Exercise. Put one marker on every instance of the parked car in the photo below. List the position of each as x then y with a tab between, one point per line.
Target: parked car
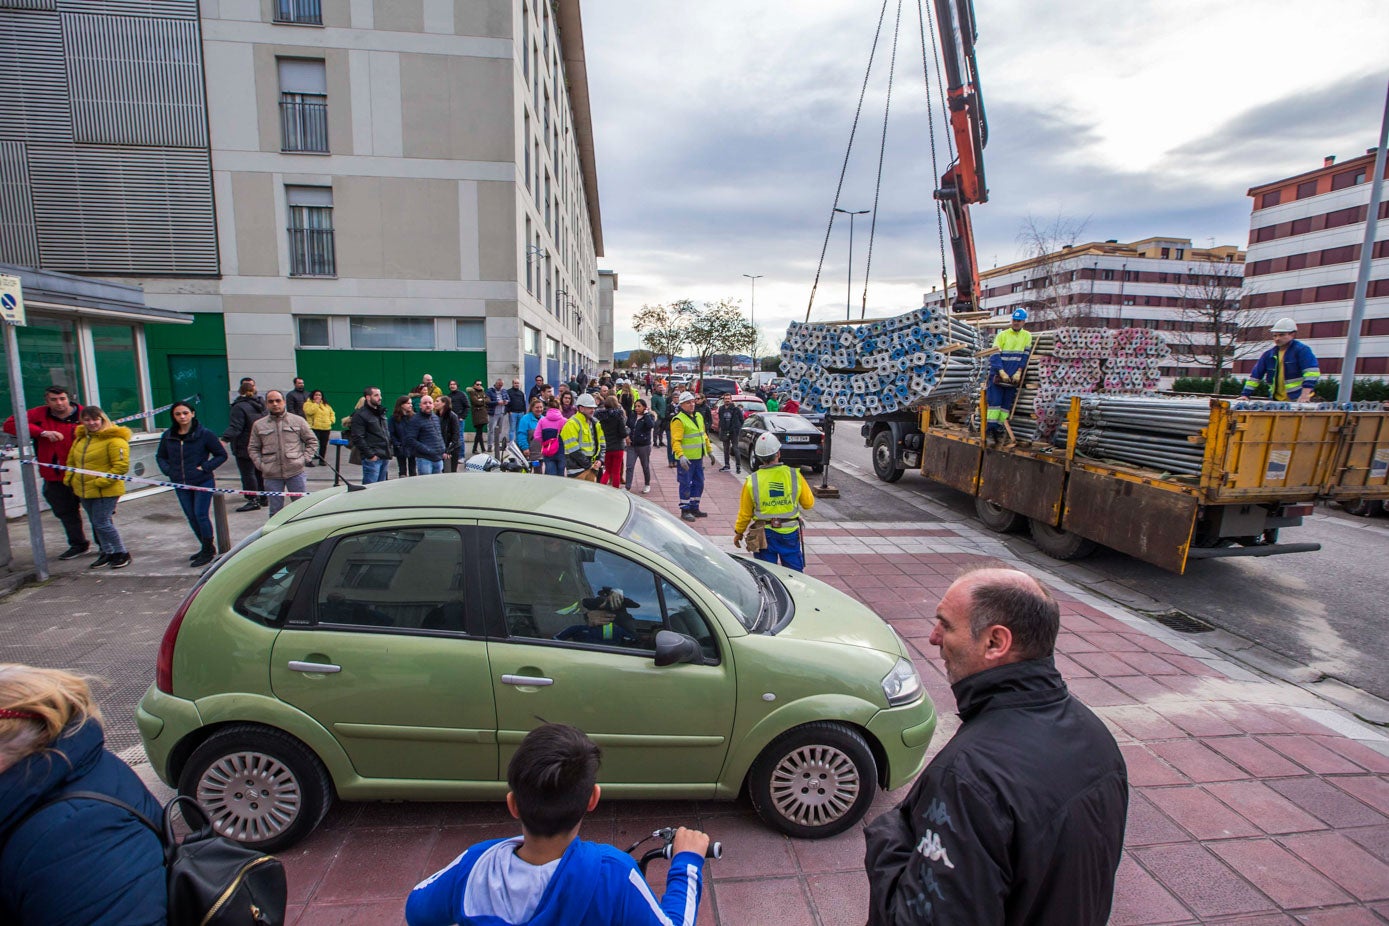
750	404
716	386
800	439
399	641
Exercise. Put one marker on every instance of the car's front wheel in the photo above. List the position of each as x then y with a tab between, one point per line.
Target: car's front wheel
258	785
814	781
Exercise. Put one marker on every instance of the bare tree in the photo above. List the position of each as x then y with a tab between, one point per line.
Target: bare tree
665	329
1049	293
720	328
1215	315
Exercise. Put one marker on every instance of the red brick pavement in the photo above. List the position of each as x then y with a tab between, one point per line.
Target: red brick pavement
1244	808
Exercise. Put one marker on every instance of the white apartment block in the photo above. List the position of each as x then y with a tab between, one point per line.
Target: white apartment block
1306	234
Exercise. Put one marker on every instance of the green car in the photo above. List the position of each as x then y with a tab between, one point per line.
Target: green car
399	641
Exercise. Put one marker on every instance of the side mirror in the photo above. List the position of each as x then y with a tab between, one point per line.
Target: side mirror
672	648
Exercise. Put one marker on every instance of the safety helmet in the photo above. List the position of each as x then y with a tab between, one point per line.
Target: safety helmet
766	446
1020	315
685	397
586	401
1284	326
481	463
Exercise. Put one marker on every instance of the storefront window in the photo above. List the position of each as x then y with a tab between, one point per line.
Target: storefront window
116	372
47	356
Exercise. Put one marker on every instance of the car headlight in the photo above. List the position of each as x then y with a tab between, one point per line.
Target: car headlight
902	685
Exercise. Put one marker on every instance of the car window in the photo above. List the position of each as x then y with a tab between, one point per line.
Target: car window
267	599
406	579
683	617
754	422
558	589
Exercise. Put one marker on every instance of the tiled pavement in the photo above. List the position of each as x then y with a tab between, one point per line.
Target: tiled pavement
1252	802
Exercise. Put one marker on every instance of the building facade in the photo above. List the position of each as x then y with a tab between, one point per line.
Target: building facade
1161	283
1306	234
354	192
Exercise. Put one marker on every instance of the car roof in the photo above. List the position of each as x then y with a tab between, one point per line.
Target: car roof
482	494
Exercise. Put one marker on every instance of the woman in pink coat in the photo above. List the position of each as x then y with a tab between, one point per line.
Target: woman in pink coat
546	436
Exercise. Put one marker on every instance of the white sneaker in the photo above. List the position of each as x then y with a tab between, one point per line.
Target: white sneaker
646	490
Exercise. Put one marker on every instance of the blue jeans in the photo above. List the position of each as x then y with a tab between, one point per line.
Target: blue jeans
691	483
424	467
377	470
195	507
783	547
100	511
292	484
552	466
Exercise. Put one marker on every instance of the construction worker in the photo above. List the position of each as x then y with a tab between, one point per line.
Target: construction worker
1289	367
689	442
1006	367
583	455
773	498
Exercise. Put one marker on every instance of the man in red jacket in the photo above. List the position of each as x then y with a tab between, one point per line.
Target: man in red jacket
50	429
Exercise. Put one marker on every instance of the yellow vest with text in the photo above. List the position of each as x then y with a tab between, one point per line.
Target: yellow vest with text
775	495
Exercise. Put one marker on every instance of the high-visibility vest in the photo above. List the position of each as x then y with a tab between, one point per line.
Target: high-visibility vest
776	493
579	436
692	438
1009	340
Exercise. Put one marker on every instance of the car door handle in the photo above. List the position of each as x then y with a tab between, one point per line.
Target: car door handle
533	680
324	668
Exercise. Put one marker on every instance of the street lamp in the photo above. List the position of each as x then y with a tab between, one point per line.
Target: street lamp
849	301
753	313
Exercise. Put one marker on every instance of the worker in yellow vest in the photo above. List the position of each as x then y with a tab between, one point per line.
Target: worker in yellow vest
689	442
579	437
769	512
1006	367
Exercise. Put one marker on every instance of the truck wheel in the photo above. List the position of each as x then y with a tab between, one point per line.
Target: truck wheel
1361	507
998	518
814	781
1060	544
885	458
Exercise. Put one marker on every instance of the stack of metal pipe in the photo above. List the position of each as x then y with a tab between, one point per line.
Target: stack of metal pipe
1149	431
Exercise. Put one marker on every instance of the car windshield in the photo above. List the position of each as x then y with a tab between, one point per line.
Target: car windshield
785	422
659	532
751	405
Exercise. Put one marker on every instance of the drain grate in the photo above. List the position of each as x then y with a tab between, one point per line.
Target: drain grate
1181	622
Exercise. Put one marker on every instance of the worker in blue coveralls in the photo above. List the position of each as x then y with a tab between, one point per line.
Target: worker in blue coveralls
769	510
1006	367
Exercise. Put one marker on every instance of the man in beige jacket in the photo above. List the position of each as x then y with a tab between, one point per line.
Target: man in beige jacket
281	446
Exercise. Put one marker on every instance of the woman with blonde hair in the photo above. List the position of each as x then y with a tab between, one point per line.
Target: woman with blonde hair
75	861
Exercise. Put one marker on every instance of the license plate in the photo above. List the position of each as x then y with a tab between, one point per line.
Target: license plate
797	439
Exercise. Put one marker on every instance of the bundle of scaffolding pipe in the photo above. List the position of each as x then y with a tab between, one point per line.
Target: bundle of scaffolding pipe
881	366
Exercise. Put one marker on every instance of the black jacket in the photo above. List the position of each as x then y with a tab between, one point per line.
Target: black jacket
370	434
614	425
641	428
1018	820
460	403
190	458
730	420
449	428
516	400
245	411
294	401
710	416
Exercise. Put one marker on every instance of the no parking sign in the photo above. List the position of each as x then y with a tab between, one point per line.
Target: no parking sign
11	300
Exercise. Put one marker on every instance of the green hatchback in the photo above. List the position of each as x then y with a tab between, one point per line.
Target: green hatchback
399	641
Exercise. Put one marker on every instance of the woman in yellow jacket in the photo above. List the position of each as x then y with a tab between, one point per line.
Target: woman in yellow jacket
101	447
319	414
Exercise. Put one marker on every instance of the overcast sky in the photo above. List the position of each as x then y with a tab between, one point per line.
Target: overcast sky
721	127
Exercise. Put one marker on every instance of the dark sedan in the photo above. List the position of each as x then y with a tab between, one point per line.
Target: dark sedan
800	439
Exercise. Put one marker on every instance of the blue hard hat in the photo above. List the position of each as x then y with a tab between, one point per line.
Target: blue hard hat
1020	315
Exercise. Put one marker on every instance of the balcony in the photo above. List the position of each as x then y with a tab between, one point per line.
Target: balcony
311	252
299	12
303	122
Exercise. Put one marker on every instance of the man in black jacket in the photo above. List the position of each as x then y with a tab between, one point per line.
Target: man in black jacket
245	412
730	423
296	397
1020	818
515	407
370	436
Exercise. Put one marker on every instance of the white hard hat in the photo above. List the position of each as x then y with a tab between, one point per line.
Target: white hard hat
685	397
766	446
586	401
1284	326
481	463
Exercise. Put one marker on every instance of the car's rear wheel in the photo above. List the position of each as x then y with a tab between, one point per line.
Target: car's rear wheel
814	781
258	785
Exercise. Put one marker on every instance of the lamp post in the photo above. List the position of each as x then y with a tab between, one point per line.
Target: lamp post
849	300
753	314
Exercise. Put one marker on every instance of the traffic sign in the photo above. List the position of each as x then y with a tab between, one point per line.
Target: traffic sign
11	300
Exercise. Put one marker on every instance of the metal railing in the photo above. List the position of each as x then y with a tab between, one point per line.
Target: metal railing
303	122
306	12
311	252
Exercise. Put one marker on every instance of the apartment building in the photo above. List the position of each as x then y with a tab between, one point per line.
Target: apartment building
354	192
1164	283
1306	234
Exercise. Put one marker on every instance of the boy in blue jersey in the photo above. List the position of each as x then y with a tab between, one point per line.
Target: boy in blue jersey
547	876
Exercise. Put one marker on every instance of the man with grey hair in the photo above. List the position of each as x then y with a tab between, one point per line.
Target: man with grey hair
1020	817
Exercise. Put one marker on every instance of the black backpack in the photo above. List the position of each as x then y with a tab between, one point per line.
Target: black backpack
213	881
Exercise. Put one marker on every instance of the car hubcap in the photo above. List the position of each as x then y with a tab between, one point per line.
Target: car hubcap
814	785
250	796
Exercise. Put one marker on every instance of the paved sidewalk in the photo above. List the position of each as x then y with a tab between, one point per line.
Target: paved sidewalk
1252	802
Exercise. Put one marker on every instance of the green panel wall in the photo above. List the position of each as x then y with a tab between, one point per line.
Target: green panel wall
343	374
206	337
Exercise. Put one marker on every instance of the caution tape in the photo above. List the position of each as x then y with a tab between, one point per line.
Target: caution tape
160	482
193	399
